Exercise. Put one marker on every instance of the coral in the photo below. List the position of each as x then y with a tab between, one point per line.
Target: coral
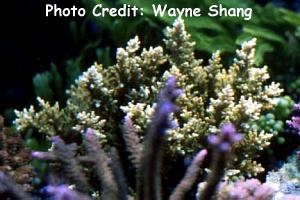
148	161
190	177
213	95
63	192
109	186
295	121
240	190
10	190
132	141
93	158
71	168
70	184
15	157
286	180
148	172
273	121
269	123
284	107
222	148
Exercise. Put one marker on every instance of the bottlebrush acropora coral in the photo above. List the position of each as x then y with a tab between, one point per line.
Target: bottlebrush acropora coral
213	95
148	163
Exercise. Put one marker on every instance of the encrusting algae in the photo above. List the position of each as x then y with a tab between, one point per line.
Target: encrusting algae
213	95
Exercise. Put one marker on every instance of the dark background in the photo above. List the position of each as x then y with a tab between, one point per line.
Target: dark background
29	42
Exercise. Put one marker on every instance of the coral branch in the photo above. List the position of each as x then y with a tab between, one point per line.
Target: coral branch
66	155
41	155
63	192
149	175
118	173
190	177
222	148
108	183
9	190
132	141
51	157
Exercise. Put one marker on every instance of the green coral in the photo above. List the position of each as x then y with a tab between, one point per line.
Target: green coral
273	121
212	96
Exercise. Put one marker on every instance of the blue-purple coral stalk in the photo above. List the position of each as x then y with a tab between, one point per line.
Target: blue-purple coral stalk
165	106
149	176
222	144
109	186
71	167
190	177
227	137
63	192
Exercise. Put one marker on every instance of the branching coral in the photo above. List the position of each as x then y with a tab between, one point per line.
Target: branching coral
249	189
103	169
77	162
148	162
132	141
9	190
213	96
190	177
15	157
71	168
63	192
148	172
222	151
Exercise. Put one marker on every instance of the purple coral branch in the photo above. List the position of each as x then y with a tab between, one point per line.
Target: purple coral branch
118	173
66	155
222	148
148	177
63	192
51	157
148	184
132	141
109	186
165	106
295	121
190	177
41	155
10	190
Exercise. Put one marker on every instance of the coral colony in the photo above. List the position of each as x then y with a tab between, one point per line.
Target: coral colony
212	95
161	103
